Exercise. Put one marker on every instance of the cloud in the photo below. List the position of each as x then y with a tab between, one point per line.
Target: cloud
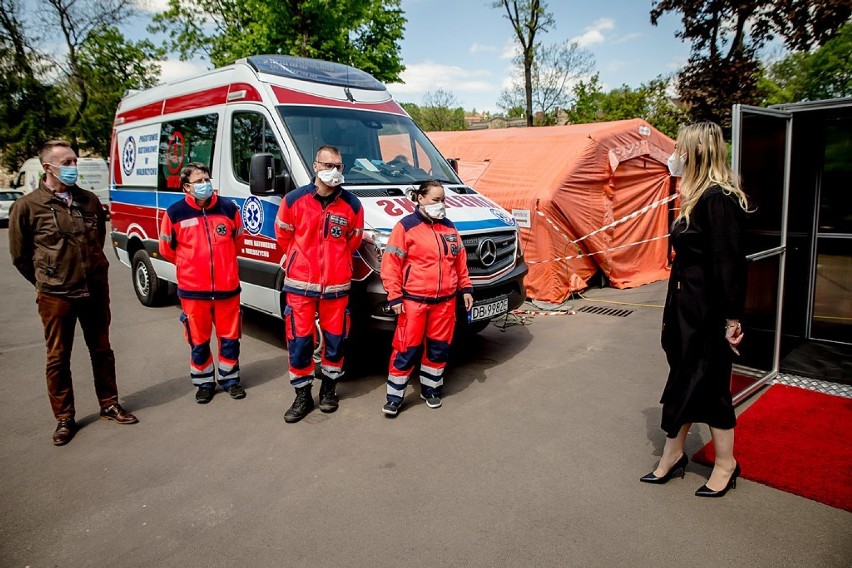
628	37
617	65
511	49
595	33
479	48
173	70
152	6
430	76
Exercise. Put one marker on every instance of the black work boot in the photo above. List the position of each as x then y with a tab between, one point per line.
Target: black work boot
328	401
303	404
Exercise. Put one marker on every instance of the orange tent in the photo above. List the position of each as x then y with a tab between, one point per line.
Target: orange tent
563	183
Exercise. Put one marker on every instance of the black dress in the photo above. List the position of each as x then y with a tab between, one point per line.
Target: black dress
706	287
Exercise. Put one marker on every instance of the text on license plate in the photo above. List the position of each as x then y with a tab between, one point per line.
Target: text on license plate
490	310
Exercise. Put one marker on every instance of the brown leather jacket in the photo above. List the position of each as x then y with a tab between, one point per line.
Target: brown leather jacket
57	247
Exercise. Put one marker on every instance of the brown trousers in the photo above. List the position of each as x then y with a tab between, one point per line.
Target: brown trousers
59	316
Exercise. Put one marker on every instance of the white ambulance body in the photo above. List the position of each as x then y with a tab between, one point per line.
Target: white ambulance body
257	124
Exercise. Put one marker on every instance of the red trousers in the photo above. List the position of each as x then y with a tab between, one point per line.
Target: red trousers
198	318
435	323
59	315
300	318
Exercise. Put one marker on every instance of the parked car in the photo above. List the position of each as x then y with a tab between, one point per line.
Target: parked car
7	198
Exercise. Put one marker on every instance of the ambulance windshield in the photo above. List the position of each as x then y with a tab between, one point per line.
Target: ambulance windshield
376	148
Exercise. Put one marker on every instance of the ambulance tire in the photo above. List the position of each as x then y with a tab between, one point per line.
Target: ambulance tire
151	290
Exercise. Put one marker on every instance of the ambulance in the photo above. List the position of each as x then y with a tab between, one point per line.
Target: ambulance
257	124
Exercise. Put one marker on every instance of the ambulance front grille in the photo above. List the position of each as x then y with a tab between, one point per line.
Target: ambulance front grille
486	258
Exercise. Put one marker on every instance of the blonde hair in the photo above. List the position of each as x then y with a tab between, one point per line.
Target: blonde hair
706	165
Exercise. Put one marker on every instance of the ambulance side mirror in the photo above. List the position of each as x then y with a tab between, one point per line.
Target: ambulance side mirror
454	163
262	177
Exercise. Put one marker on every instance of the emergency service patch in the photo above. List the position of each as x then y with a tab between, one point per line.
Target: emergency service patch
221	230
338	220
454	249
336	231
252	213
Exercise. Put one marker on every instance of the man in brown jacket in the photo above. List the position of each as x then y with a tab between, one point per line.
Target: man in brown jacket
56	238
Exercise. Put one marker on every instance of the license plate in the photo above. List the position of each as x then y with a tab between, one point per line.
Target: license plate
490	309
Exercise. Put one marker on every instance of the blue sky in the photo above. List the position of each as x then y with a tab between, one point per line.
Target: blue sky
465	46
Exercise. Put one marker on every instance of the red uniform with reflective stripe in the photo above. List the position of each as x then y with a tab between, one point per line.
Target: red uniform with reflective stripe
319	243
424	261
202	243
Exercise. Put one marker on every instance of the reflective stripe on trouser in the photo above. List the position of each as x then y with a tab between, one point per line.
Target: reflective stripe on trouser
300	328
435	323
199	317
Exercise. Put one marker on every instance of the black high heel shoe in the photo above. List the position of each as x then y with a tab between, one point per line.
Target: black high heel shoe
679	465
705	491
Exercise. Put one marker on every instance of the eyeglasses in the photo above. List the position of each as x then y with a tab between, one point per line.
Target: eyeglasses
330	165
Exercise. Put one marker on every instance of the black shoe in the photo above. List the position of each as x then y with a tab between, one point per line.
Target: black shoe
236	391
204	395
705	491
432	400
328	401
65	430
391	408
303	404
117	413
680	465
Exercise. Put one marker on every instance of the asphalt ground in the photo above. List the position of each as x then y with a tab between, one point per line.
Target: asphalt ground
533	460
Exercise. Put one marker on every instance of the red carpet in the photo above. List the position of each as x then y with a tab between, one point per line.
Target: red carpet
798	441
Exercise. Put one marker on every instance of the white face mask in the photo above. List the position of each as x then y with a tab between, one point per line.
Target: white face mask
676	164
435	210
331	178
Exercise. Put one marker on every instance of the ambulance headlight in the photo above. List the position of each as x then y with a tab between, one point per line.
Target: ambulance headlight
372	248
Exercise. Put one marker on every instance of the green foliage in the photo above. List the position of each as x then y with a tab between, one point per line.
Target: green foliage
110	65
440	111
650	101
362	33
726	36
823	74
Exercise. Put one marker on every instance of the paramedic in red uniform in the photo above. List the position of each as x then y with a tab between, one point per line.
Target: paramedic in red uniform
424	268
56	239
319	226
199	235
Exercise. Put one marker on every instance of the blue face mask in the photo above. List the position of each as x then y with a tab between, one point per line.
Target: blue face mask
67	175
202	191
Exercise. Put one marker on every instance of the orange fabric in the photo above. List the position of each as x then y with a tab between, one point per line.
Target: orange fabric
582	177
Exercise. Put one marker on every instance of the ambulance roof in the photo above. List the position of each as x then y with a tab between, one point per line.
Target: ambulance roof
314	70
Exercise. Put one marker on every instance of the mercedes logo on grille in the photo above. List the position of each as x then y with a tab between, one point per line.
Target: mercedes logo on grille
487	252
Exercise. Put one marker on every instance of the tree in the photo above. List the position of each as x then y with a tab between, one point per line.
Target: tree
528	18
362	33
726	36
650	101
73	93
554	71
822	74
110	65
28	107
441	111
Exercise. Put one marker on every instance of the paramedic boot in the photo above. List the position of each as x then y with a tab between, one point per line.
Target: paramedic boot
328	401
303	404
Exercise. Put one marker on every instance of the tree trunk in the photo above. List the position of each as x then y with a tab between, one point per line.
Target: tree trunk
528	87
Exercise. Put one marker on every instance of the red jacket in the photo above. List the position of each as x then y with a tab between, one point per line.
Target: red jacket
424	261
319	242
202	243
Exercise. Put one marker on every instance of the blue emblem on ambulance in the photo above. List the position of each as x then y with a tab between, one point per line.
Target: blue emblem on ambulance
505	217
252	213
128	156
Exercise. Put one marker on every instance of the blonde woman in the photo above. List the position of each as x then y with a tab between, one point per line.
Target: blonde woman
706	295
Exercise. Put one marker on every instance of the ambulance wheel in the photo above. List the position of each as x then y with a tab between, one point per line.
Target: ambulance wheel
151	290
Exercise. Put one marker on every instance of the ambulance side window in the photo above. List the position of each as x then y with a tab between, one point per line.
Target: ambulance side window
251	134
184	141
